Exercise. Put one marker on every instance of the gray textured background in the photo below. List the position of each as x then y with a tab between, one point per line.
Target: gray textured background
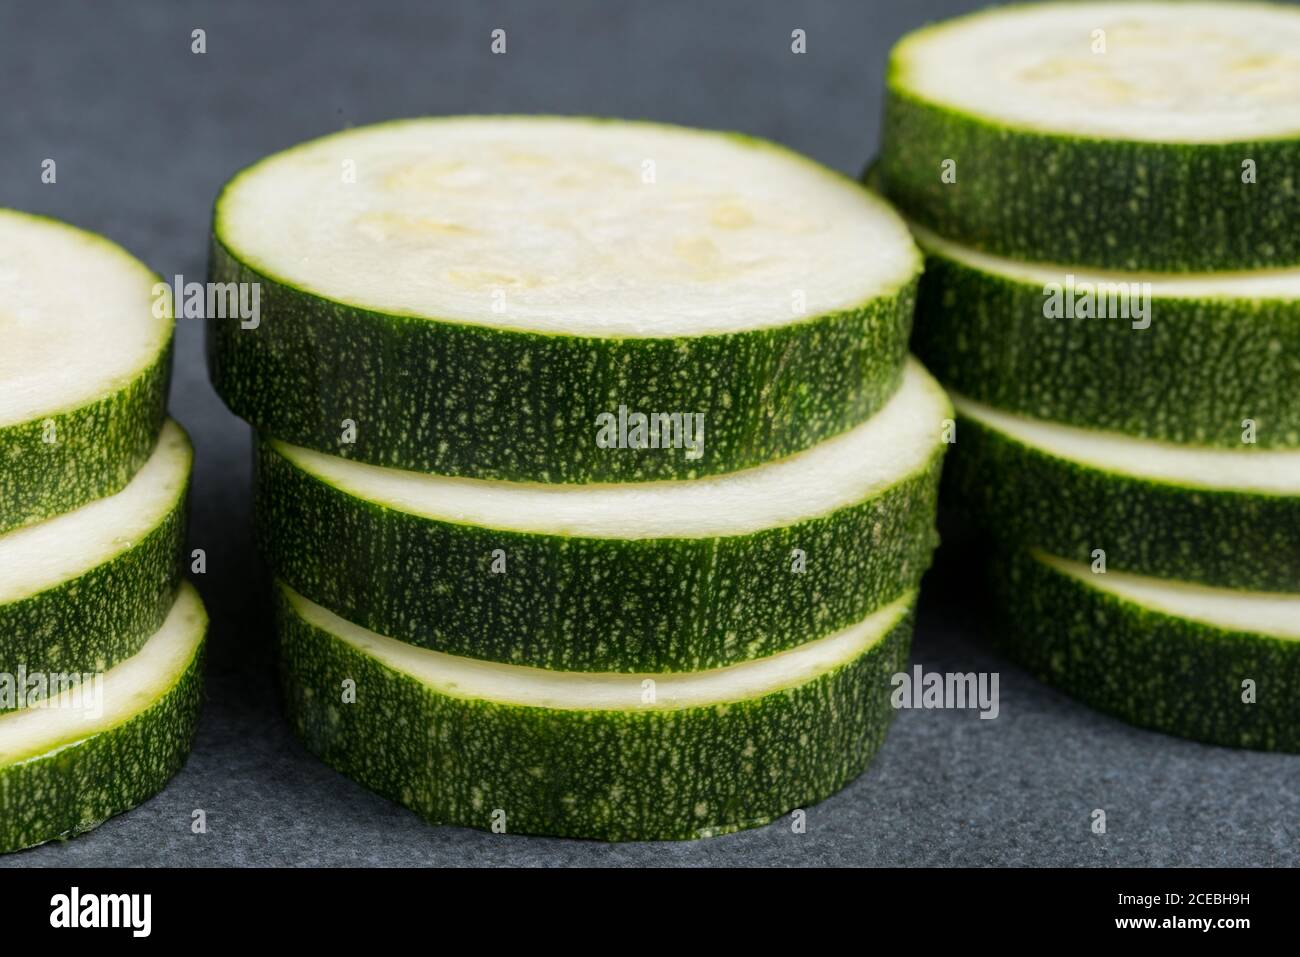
144	133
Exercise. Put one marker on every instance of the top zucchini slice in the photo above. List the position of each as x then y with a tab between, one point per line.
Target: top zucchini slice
1161	136
468	296
84	368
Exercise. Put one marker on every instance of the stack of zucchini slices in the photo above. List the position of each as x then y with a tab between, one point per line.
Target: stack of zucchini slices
1108	196
100	642
594	473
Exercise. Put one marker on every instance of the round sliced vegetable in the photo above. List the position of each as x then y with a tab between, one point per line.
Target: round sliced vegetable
503	297
104	745
1214	516
1199	360
1206	663
613	757
84	369
1160	136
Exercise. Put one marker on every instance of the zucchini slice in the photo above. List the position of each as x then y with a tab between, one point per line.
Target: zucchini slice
613	757
1160	654
468	296
1177	358
84	590
69	764
1213	516
1133	136
663	576
84	369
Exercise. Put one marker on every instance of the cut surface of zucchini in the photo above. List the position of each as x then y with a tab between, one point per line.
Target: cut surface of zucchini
1165	72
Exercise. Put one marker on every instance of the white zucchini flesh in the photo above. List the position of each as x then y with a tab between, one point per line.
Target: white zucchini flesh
586	691
40	556
900	439
566	226
1268	471
77	318
127	689
1262	284
1170	72
1230	609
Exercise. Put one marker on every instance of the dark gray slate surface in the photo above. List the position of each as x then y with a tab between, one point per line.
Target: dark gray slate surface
144	133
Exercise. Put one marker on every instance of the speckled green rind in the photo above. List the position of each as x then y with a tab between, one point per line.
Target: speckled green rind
97	449
78	786
91	622
591	604
1192	376
1144	666
457	399
608	775
1113	204
1235	539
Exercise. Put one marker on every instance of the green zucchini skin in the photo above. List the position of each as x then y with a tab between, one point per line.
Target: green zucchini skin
1191	377
93	621
591	604
522	406
607	775
99	447
75	788
1234	539
1143	666
1111	204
